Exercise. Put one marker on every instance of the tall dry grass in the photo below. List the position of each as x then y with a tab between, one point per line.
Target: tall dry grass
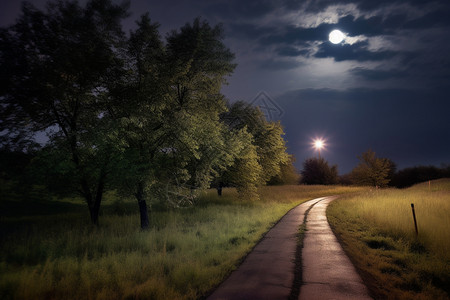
390	210
377	231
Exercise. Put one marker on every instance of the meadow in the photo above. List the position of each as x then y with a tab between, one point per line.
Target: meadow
376	229
49	250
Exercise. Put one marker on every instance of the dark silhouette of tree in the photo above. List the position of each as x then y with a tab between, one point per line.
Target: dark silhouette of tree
138	102
345	179
56	67
410	176
372	171
392	170
317	171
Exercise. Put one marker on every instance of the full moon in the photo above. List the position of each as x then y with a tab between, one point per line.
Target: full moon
336	36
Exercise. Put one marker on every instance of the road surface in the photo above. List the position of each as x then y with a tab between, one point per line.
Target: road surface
269	270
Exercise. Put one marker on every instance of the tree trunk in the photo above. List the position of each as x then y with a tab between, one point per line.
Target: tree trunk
94	203
143	211
144	215
219	189
86	192
94	212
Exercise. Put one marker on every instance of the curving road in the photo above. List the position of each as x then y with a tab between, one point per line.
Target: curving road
327	271
268	272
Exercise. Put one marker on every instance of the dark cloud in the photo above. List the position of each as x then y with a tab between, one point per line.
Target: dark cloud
297	35
357	52
368	5
361	26
249	9
237	9
436	18
292	4
369	74
249	31
292	51
364	5
280	64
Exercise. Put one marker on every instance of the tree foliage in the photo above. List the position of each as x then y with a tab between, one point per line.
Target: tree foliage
136	110
171	135
263	149
372	170
317	171
199	63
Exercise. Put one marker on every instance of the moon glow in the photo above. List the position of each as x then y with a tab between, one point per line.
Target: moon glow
336	36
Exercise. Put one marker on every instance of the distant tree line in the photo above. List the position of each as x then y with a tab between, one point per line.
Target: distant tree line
130	112
410	176
371	171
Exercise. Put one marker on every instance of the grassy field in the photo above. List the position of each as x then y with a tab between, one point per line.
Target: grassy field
376	229
48	250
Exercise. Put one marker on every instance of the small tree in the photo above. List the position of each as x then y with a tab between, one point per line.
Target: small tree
372	170
317	171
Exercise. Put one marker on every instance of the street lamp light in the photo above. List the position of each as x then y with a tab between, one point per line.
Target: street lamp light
319	144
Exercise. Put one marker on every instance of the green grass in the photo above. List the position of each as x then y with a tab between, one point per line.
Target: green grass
51	251
376	229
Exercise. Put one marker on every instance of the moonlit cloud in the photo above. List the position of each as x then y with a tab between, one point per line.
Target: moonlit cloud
330	15
350	40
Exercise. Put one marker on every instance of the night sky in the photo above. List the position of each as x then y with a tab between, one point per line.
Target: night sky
385	87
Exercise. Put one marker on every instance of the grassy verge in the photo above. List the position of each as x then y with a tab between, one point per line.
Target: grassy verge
187	252
376	229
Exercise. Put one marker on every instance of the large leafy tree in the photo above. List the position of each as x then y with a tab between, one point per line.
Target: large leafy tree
171	136
56	69
198	64
372	170
137	110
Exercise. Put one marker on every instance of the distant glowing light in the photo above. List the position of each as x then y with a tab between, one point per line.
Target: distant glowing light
319	144
336	36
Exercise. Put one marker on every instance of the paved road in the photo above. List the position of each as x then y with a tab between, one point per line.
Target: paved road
327	271
268	271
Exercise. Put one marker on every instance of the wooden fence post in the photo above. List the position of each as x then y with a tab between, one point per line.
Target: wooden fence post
414	216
